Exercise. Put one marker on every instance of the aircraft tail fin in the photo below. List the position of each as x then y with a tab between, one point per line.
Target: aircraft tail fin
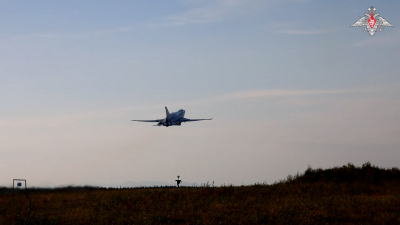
167	112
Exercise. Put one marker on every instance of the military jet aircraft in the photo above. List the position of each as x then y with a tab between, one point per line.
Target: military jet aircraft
172	119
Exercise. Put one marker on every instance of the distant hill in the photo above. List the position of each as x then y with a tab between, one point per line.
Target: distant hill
349	173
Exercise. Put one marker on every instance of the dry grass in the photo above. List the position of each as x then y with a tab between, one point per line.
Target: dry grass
343	195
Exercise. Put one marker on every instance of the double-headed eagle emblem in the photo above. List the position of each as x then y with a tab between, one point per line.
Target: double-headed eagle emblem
371	22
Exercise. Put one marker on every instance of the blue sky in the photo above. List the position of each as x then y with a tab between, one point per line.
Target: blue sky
288	83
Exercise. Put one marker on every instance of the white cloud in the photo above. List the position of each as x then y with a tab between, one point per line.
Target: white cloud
210	11
58	35
280	93
303	32
214	11
275	93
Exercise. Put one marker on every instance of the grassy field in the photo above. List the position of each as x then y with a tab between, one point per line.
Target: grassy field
340	195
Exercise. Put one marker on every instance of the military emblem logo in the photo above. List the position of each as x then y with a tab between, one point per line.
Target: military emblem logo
372	22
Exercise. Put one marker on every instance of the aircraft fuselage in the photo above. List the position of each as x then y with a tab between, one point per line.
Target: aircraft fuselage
173	119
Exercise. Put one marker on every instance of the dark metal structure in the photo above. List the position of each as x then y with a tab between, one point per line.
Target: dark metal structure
178	181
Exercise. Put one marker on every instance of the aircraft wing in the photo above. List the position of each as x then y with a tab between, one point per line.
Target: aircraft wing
193	120
154	121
